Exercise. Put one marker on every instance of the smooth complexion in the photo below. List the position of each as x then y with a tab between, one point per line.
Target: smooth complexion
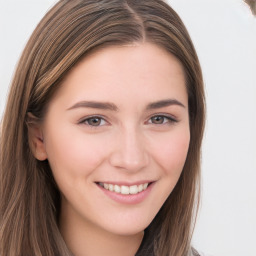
121	118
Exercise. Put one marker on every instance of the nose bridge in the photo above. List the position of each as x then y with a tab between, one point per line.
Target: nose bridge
130	152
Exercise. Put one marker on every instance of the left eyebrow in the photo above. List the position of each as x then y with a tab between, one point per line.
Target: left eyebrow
164	103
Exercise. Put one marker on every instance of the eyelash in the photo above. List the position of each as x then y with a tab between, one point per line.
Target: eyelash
86	121
167	120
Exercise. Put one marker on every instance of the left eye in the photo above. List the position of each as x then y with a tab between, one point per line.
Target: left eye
94	121
161	119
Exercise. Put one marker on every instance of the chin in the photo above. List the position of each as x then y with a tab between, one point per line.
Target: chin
128	228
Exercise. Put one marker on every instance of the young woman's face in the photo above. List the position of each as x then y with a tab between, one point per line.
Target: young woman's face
116	136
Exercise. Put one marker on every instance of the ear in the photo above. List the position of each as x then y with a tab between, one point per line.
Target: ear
35	137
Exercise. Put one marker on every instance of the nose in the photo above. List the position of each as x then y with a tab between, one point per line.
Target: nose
130	152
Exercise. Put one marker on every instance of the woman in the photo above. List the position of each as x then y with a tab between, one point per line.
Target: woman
101	137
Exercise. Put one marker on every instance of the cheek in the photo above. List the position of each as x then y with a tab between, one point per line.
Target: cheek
73	153
170	155
172	152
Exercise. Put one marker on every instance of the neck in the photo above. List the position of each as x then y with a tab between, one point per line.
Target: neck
83	238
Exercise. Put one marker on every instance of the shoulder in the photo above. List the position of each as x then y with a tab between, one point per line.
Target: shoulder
194	252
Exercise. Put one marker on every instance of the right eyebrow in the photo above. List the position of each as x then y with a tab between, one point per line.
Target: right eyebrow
94	104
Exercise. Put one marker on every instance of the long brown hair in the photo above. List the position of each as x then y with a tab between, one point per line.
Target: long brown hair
30	200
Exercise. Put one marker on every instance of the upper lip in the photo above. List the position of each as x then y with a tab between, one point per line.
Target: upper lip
125	183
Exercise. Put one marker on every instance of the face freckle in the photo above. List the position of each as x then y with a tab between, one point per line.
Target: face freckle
126	88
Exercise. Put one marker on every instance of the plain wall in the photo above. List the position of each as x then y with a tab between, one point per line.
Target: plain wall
224	34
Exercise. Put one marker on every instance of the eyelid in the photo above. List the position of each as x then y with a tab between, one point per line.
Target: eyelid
84	119
171	118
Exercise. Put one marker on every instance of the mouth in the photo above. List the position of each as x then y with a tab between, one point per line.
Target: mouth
125	189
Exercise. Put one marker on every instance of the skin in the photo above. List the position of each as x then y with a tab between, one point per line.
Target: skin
124	145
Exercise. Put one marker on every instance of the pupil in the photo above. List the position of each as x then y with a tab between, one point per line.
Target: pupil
158	119
94	121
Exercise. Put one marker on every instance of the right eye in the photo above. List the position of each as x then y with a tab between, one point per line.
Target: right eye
94	121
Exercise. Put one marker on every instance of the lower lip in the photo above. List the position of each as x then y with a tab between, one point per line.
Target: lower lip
128	199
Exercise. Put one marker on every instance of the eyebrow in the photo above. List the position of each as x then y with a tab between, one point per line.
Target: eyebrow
113	107
95	104
164	103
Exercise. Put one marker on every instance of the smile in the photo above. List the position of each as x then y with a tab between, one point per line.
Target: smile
124	190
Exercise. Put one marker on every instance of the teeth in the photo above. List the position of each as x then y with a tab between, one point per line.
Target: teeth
110	187
117	189
134	189
125	190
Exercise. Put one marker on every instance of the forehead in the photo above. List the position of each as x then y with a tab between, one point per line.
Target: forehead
145	71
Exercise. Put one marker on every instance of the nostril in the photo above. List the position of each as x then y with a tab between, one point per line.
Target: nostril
127	160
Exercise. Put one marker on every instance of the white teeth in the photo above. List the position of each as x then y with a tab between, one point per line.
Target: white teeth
145	186
134	189
117	189
110	187
124	190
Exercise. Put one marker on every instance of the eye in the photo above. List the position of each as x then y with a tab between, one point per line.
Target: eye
93	121
162	119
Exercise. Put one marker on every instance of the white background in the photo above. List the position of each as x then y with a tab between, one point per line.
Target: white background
224	33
